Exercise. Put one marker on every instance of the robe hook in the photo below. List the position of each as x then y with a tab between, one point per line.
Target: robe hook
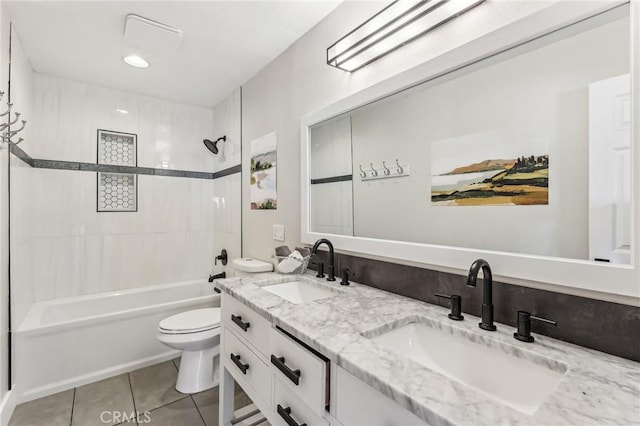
400	170
387	172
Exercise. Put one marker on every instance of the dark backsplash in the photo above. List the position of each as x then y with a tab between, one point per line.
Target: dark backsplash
604	326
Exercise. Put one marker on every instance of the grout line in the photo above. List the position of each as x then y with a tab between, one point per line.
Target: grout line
197	408
169	403
133	398
73	404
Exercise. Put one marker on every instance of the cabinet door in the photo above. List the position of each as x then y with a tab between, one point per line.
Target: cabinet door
358	404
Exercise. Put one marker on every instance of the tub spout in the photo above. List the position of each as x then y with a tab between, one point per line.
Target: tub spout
217	276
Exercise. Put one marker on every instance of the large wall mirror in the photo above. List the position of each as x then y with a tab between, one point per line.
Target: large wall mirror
526	154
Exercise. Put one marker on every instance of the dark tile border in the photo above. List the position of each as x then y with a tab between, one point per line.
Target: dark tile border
332	179
54	164
18	152
227	172
109	168
608	327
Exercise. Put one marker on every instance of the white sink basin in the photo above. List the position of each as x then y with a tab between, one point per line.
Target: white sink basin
299	291
518	383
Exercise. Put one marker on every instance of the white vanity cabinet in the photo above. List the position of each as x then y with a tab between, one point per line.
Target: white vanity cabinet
287	380
243	357
291	383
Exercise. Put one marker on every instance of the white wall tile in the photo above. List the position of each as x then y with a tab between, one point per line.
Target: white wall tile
77	250
69	113
65	248
226	122
227	218
22	296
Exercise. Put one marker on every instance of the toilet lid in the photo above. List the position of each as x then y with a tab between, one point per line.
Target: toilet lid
191	321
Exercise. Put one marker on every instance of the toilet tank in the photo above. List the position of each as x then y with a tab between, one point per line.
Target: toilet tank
247	266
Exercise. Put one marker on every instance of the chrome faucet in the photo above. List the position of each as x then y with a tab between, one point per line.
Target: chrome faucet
487	294
332	268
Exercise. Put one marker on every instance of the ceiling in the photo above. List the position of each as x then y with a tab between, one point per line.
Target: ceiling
225	42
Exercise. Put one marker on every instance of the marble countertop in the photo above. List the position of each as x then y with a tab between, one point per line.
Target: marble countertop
597	388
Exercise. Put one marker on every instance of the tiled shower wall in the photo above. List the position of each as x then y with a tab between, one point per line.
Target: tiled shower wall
227	215
61	247
604	326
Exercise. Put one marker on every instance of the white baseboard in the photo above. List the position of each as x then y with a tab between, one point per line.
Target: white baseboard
7	406
63	385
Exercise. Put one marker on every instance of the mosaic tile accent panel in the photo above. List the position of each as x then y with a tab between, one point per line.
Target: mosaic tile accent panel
117	148
117	192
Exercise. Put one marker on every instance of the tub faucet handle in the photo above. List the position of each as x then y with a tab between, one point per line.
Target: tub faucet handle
222	257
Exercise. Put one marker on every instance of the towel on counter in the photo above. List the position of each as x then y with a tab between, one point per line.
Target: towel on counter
293	261
283	251
304	251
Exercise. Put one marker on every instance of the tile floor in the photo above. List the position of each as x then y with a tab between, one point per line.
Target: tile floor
149	390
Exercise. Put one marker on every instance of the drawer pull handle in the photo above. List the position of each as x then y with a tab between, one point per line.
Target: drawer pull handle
239	364
293	375
285	413
239	323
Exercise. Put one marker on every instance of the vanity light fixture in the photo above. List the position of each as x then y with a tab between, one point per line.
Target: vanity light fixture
394	26
136	61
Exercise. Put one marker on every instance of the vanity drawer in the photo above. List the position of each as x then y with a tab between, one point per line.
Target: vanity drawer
302	370
246	364
287	405
246	323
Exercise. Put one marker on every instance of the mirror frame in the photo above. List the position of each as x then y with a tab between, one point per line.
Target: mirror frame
503	34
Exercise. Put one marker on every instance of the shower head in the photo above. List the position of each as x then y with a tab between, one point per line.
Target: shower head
213	146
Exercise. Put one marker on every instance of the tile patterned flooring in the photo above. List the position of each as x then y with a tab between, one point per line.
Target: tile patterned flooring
149	391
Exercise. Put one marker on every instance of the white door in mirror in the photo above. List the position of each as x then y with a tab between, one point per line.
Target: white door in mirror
610	170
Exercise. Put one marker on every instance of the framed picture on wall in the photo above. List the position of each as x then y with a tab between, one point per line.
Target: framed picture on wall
263	172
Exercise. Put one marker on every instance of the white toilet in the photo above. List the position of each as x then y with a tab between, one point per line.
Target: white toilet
197	334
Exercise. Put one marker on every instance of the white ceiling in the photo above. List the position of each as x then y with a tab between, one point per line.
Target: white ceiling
225	42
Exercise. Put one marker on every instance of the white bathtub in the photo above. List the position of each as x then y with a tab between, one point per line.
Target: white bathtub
66	343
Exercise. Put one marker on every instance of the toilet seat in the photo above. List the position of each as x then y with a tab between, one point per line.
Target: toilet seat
194	321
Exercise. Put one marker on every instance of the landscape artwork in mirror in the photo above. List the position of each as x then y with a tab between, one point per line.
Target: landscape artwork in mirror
263	172
481	171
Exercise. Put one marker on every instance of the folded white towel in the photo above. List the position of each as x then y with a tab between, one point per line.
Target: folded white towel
290	264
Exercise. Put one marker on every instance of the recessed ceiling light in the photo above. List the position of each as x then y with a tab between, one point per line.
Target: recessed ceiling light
122	111
136	61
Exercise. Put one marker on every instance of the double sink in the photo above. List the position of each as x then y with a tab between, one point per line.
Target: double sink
512	376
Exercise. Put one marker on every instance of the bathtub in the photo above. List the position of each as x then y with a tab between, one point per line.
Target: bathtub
70	342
